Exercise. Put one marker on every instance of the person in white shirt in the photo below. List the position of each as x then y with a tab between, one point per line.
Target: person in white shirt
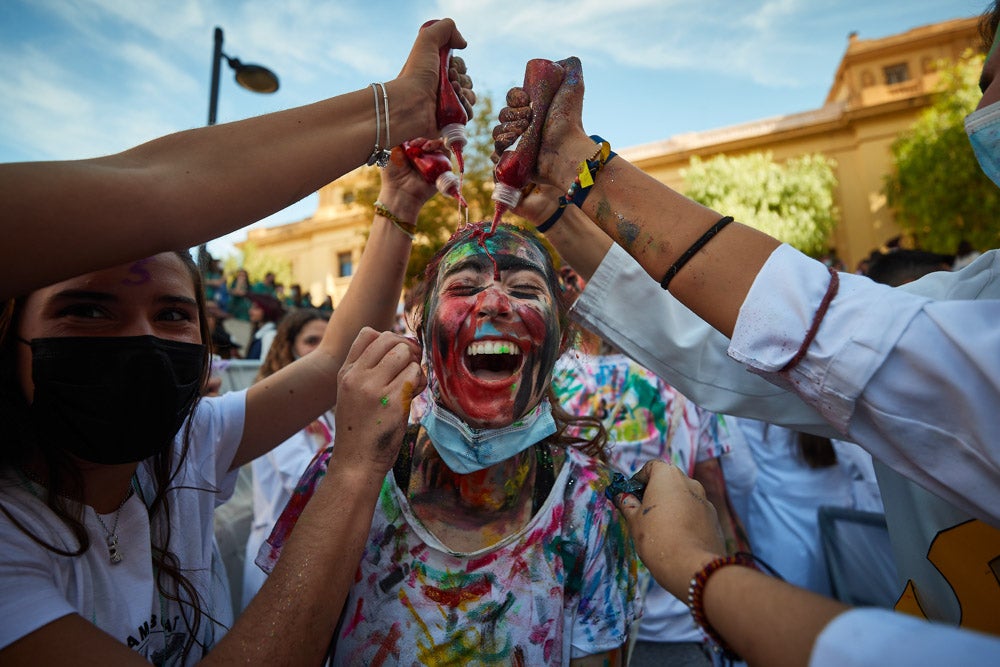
111	465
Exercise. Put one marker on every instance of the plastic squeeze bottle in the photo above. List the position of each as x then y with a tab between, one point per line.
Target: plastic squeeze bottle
451	116
435	168
542	79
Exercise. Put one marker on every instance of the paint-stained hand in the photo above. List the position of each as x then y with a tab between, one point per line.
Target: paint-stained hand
404	191
375	385
462	83
675	529
563	136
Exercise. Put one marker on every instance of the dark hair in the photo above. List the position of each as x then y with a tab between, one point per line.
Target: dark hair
64	479
567	425
283	347
816	451
988	22
902	266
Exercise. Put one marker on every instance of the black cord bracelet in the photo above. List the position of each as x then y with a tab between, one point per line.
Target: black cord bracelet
695	247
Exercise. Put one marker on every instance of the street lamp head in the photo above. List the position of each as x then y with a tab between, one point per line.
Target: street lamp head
255	78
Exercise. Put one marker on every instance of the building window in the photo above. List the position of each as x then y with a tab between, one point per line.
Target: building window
897	74
344	262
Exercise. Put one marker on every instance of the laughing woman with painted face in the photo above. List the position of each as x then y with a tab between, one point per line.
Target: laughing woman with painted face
492	541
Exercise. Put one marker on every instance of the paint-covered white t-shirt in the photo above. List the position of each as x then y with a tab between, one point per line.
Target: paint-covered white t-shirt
38	586
562	587
646	419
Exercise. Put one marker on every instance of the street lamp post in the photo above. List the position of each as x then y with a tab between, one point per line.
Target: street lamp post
255	78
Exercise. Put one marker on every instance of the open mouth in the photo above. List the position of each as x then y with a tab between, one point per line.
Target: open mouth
493	359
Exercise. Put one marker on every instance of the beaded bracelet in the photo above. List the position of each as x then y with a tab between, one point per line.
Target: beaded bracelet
578	191
696	598
408	228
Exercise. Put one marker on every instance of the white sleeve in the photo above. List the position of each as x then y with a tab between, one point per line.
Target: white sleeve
915	382
625	306
875	637
628	308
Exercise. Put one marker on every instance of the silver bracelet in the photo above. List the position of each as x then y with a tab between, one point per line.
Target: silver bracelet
380	156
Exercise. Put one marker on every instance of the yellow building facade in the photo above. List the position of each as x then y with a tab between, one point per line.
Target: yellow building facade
880	88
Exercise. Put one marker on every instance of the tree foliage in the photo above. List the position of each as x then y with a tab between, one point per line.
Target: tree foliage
791	202
937	190
440	216
257	264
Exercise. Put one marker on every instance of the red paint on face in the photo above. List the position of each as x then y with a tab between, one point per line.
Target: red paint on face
516	312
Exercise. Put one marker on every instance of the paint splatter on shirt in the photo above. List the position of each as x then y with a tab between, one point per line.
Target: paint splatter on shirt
564	586
646	418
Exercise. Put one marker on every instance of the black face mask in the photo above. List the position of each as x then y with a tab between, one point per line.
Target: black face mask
112	400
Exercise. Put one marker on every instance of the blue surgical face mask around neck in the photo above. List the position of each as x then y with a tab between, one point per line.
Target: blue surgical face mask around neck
465	449
983	128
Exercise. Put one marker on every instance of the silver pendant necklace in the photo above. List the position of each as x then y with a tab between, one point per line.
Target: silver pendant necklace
111	538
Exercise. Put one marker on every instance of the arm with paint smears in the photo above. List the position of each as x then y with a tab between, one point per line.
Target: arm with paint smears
652	222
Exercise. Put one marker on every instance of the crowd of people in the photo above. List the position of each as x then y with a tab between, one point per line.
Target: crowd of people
496	489
258	306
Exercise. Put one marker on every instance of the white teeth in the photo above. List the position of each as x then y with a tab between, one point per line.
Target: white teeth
492	347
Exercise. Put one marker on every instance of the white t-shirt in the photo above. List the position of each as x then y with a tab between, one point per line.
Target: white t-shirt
561	587
915	381
38	586
646	419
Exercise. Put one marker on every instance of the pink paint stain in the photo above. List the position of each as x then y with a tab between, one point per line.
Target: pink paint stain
357	618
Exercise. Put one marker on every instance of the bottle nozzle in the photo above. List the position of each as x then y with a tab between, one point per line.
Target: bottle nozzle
454	136
507	195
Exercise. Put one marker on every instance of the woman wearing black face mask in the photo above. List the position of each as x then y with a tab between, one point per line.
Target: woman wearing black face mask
111	464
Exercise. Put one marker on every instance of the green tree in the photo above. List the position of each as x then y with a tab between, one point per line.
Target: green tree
937	191
440	216
257	264
791	202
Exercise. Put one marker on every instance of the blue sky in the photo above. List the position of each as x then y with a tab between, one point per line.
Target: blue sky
92	77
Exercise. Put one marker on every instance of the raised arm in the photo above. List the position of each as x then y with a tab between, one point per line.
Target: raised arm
284	402
655	224
62	219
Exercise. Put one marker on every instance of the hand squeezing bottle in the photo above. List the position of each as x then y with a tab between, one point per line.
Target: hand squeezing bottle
435	168
542	79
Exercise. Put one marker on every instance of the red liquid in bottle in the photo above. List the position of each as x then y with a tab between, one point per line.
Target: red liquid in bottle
451	115
434	168
542	79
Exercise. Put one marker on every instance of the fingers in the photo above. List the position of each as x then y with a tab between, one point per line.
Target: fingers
515	115
518	97
462	83
442	32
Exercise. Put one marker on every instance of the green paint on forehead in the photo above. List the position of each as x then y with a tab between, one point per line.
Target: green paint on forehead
498	245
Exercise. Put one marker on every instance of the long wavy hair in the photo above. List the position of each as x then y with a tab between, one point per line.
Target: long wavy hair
282	350
586	433
64	480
